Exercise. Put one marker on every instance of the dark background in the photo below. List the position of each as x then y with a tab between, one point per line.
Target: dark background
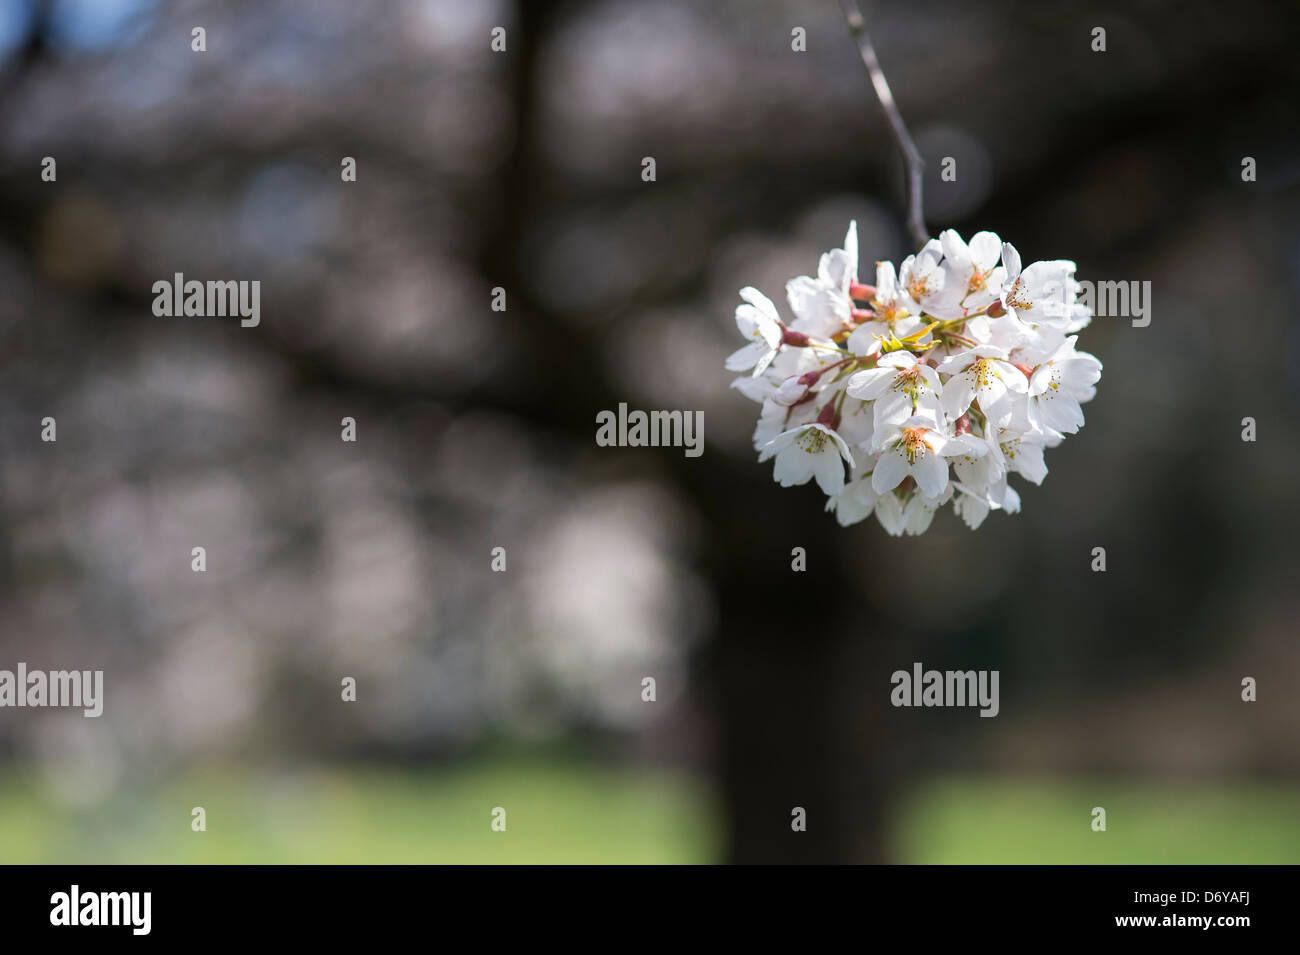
476	429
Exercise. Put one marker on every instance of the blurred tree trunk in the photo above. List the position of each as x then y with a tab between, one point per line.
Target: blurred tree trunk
778	671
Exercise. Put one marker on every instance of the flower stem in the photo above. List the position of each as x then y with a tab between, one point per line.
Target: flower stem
911	155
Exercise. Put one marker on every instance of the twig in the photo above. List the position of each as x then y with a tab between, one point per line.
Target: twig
911	155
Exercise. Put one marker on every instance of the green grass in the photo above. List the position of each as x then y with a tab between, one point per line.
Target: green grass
566	811
560	814
1027	821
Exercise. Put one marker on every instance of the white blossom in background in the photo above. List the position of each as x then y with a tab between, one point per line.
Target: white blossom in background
953	372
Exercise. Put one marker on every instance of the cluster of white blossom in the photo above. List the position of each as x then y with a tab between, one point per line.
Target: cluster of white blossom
933	385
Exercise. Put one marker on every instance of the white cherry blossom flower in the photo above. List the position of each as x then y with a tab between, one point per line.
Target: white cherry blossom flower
1045	293
821	305
760	323
894	314
925	282
1024	456
854	503
973	268
1059	385
813	450
916	448
956	380
973	505
981	374
900	386
909	514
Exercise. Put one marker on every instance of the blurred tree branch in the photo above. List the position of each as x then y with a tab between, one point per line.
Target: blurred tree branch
911	155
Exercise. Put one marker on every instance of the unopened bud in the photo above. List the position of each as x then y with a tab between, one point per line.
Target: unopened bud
863	292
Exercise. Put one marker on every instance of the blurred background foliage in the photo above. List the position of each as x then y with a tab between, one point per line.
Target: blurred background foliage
476	430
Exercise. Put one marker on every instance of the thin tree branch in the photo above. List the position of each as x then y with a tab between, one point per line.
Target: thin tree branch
911	155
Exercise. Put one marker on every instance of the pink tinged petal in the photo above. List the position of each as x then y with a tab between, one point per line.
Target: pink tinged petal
890	471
